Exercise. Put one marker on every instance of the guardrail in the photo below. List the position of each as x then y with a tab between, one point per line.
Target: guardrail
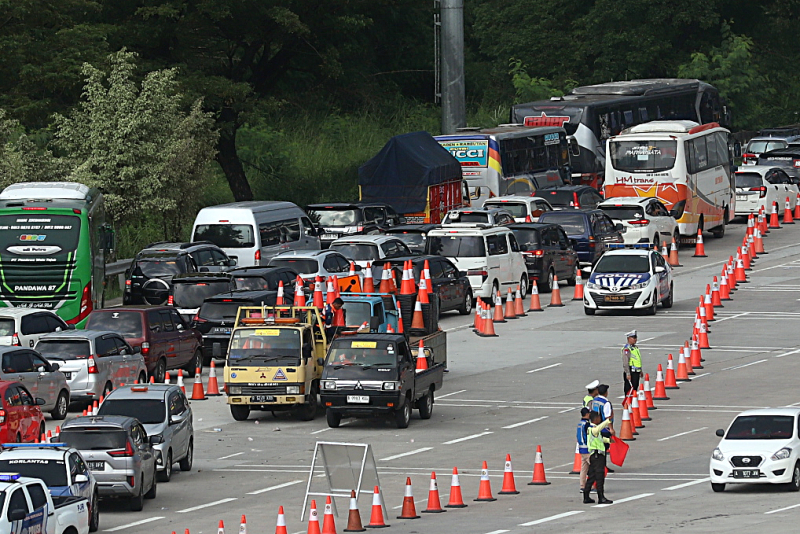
117	269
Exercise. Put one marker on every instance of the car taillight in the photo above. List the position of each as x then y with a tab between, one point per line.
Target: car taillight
746	157
15	340
2	416
86	305
198	319
122	453
360	228
145	348
170	300
92	366
132	481
258	257
475	272
762	191
533	252
640	222
575	202
128	282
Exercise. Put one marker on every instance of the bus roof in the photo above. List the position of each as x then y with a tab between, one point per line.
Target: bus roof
46	191
664	129
504	131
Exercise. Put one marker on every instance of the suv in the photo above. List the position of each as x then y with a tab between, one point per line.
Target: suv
363	249
571	196
523	208
43	379
548	253
119	454
591	230
148	279
769	139
492	216
644	220
165	412
166	342
24	326
312	263
349	218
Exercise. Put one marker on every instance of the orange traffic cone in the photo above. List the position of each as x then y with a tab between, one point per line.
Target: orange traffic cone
518	305
180	381
299	297
536	305
318	300
49	436
673	255
369	283
243	525
280	528
407	286
376	519
499	315
641	398
330	291
328	521
636	412
422	360
664	251
386	280
509	487
716	301
279	299
576	463
702	337
555	295
758	242
197	390
509	313
671	382
648	394
538	470
724	288
741	277
699	249
485	488
696	355
417	320
661	390
434	504
400	327
797	207
477	326
456	499
488	324
626	430
409	510
578	295
95	407
709	306
746	260
212	389
426	271
354	516
167	378
152	379
787	213
687	358
773	217
221	527
423	296
313	519
389	329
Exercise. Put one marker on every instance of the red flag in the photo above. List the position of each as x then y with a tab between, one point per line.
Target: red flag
618	451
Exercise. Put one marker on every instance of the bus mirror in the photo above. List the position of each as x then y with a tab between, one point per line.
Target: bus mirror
574	148
737	149
108	237
476	194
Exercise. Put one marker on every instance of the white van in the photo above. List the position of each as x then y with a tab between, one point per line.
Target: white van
489	255
253	232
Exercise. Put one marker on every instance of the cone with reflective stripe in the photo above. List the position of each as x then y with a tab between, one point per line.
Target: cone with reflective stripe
434	503
636	413
708	304
750	224
673	255
702	337
400	327
745	254
509	487
716	301
354	516
555	295
180	381
197	391
299	297
758	242
576	463
751	248
644	413
773	217
328	521
519	307
731	275
280	528
687	357
167	379
661	390
243	525
664	251
741	277
422	361
386	280
699	248
279	299
94	408
456	499
409	509
418	320
318	299
485	488
376	519
212	389
152	379
369	283
426	271
648	395
578	295
724	288
477	326
313	519
538	470
488	324
797	207
626	430
221	527
509	313
696	355
787	213
330	292
407	284
536	305
499	315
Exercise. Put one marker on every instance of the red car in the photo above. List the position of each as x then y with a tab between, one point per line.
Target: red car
21	419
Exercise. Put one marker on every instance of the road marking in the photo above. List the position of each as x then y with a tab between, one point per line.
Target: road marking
209	505
279	486
441	496
700	411
466	405
498	532
699	376
626	499
683	434
787	353
515	425
551	518
473	436
231	455
568	410
329	428
543	368
771	511
135	524
448	394
557	466
686	484
409	453
742	366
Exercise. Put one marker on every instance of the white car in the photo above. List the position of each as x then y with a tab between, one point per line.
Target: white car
759	186
489	215
759	447
629	279
644	220
23	327
28	507
522	208
363	249
311	263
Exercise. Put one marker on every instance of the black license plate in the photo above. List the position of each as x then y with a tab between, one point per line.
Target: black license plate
221	330
68	376
614	298
96	466
746	473
262	398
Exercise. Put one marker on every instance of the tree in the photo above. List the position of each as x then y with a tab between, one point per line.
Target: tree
21	160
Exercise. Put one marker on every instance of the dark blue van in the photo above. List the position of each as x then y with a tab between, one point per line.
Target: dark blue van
591	230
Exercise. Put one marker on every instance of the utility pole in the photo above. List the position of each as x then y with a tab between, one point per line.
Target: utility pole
454	112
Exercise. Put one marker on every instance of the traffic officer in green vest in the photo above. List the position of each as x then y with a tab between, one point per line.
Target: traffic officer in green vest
591	393
597	458
631	363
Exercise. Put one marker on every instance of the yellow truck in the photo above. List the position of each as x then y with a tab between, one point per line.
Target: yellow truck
275	360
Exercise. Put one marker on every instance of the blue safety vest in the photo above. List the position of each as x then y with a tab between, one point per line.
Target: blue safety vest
583	445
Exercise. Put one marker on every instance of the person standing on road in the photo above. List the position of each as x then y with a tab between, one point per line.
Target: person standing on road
328	315
597	459
591	388
631	363
583	443
603	406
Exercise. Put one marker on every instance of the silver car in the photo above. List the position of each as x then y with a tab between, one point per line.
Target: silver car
93	362
119	454
165	412
43	379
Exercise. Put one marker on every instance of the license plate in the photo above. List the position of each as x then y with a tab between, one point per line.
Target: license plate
358	399
330	236
221	330
614	298
96	466
746	473
68	376
262	398
742	197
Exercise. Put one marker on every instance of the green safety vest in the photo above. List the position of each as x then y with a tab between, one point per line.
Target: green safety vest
596	443
587	400
634	357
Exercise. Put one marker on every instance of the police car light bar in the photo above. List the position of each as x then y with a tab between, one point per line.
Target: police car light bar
643	246
33	445
9	477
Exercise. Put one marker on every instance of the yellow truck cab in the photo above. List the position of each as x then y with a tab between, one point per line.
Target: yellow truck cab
275	360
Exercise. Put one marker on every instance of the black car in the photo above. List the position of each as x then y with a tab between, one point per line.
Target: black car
590	229
149	278
548	252
217	315
571	196
413	235
264	278
451	285
341	219
189	290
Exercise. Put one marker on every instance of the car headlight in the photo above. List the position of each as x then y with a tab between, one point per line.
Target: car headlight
329	385
782	454
293	390
717	455
159	459
639	286
390	386
234	390
592	285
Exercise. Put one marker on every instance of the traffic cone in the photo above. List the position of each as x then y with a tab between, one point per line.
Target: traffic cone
354	516
369	283
626	430
434	504
313	519
758	242
409	510
751	248
636	413
696	355
787	213
702	337
426	271
536	305
509	487
745	255
389	329
499	315
328	521
664	251
648	395
212	389
687	357
386	280
94	408
731	275
773	217
417	320
299	297
180	381
167	378
509	313
456	499
280	528
716	301
555	295
724	288
423	297
538	470
84	413
741	277
673	255
477	326
330	292
400	327
376	519
221	527
318	300
576	463
750	224
701	313
279	299
670	381
797	207
197	390
49	436
152	379
243	526
699	248
661	389
422	361
641	398
485	488
518	305
578	295
488	324
352	271
407	284
709	306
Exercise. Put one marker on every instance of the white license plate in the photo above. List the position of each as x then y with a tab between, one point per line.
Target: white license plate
358	399
742	197
96	466
330	236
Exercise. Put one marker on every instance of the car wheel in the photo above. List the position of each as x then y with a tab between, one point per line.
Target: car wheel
60	410
165	474
137	503
334	419
151	493
466	306
142	378
548	281
426	405
588	311
677	237
240	413
94	514
403	416
308	410
719	231
495	290
108	388
523	286
794	485
159	371
186	462
573	280
667	302
718	488
653	309
194	364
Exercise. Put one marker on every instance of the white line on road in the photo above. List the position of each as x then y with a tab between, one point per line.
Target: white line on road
699	376
515	425
409	453
787	353
686	484
466	405
682	434
557	466
473	436
231	455
543	368
448	394
551	518
626	499
329	428
568	410
498	532
745	365
135	524
208	505
771	511
279	486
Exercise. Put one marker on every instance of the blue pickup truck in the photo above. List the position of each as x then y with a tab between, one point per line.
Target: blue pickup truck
376	310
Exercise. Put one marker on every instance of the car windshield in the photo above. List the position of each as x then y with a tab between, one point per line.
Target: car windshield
517	209
558	197
219	311
527	239
357	313
192	294
761	427
334	216
147	411
363	354
413	240
574	224
748	179
72	349
302	266
94	439
357	251
643	156
157	267
456	246
624	213
6	327
759	147
51	472
226	235
264	342
623	263
129	324
250	283
467	217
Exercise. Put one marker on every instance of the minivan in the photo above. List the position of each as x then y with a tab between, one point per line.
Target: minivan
592	230
253	232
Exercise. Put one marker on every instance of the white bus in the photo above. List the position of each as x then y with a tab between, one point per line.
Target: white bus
685	165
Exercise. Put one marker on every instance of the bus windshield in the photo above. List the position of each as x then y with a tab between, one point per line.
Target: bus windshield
561	116
643	156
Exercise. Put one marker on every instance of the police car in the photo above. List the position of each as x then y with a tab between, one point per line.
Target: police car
27	508
629	277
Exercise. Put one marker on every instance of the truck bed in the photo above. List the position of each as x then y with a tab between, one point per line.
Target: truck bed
437	342
423	380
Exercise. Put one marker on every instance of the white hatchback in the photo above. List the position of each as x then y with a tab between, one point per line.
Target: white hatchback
363	249
759	186
23	327
644	219
522	208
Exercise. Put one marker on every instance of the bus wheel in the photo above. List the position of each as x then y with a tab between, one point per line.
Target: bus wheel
719	231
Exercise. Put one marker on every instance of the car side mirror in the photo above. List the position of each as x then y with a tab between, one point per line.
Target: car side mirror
660	269
619	227
232	262
40	401
137	350
173	420
17	514
81	479
720	433
358	268
54	367
156	440
573	243
127	273
70	327
574	148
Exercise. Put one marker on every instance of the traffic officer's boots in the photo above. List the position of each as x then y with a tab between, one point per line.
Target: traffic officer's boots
601	499
586	498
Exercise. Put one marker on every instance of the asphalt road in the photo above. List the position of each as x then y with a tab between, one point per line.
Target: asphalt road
507	395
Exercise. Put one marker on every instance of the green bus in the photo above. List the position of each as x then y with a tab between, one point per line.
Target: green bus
53	244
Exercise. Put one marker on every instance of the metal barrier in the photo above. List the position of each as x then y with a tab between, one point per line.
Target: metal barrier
117	269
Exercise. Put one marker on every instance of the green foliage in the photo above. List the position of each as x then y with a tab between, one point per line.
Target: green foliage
529	89
21	160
